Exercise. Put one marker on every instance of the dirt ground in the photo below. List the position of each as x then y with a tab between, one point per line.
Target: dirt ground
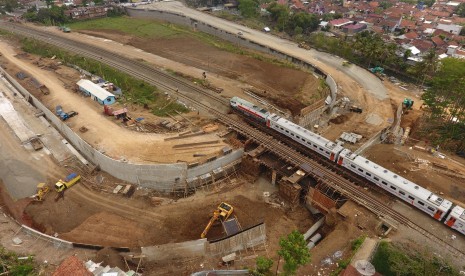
91	116
109	220
283	86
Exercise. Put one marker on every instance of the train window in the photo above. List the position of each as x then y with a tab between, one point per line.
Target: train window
431	208
384	182
315	146
369	174
411	197
402	193
360	170
352	165
321	149
287	131
297	137
327	152
292	134
377	179
421	203
392	187
282	128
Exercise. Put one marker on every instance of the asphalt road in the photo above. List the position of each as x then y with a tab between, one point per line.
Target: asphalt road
363	77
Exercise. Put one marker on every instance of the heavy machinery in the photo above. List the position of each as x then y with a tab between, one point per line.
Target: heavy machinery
377	70
222	213
42	191
304	45
69	181
407	103
60	113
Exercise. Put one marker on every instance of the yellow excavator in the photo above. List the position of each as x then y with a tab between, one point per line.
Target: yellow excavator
42	191
222	213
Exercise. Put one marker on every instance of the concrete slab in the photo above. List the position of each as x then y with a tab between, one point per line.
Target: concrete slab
12	117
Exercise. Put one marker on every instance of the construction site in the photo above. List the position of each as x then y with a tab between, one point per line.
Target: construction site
88	175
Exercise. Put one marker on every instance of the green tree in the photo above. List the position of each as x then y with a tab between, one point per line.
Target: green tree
279	14
460	11
263	267
307	22
49	3
426	68
370	46
294	251
248	8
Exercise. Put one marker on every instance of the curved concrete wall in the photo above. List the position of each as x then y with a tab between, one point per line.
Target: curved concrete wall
181	19
161	177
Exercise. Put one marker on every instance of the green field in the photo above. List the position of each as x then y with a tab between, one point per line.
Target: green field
152	29
138	27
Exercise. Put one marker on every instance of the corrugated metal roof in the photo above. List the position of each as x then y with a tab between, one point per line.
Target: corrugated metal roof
94	89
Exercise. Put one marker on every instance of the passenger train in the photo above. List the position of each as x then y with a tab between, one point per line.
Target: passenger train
423	199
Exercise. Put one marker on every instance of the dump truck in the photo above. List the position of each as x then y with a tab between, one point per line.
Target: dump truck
69	181
222	213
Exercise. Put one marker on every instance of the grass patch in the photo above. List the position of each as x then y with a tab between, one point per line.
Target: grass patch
152	29
355	246
11	265
143	28
135	91
393	260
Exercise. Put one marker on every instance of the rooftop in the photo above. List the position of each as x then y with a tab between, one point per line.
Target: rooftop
96	90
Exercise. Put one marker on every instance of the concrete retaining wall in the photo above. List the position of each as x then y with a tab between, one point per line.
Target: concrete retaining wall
56	242
249	238
161	177
164	252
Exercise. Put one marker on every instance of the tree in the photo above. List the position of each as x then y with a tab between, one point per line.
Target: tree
461	10
49	3
294	251
307	22
263	267
248	8
279	14
446	99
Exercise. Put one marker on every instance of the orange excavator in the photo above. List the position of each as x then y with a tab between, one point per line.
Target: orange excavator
222	213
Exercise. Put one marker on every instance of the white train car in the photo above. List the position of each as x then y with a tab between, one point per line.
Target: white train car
404	189
456	219
305	137
249	109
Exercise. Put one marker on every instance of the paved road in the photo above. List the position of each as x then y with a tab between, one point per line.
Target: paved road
325	61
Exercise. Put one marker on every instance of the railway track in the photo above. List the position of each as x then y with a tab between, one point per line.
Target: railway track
156	77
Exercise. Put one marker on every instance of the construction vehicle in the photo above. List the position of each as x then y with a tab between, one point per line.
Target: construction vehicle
377	70
222	213
60	113
407	103
42	191
64	29
69	181
304	45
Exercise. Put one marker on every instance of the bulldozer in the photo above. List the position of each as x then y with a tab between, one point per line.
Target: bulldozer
42	191
222	213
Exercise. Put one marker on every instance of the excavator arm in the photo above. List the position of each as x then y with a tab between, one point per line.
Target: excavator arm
215	216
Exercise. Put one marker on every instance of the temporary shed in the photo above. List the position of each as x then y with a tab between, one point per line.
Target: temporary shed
96	92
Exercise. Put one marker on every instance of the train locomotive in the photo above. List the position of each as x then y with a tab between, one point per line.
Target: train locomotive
423	199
